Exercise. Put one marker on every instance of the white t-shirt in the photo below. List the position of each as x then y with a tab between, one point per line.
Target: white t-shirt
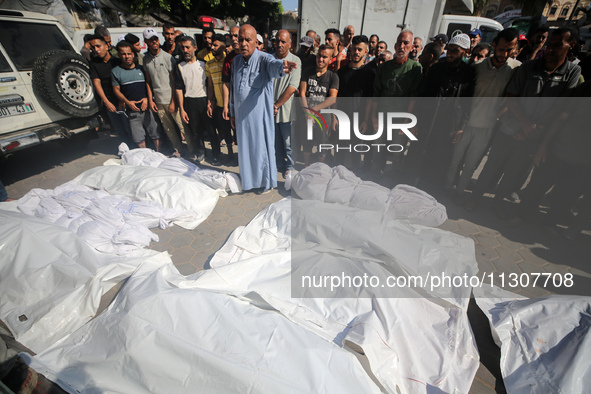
194	78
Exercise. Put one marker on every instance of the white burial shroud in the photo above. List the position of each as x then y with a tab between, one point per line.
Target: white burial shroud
51	281
545	342
236	327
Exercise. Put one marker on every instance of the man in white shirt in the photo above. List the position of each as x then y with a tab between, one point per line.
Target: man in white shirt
191	93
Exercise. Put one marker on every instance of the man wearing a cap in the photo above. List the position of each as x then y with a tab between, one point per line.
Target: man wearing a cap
305	52
159	66
442	40
475	37
136	46
452	79
492	76
260	43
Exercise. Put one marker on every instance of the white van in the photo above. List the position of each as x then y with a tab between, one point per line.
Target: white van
452	25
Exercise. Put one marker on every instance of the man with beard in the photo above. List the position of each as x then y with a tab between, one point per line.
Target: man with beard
129	85
400	78
480	52
492	76
527	119
191	93
251	109
355	81
215	104
159	67
283	91
417	48
205	54
451	79
169	45
372	51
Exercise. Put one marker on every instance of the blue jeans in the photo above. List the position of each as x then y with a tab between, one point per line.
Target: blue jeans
283	153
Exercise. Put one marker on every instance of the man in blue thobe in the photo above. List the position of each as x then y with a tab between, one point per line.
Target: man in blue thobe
251	111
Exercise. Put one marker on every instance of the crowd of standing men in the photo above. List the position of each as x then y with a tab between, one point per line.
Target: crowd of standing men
507	99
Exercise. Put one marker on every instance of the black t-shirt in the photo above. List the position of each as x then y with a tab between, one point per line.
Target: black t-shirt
101	70
446	80
177	53
318	88
355	82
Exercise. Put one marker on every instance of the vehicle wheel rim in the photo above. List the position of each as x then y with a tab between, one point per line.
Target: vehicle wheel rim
76	85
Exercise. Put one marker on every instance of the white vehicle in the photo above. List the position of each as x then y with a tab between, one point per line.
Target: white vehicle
387	19
45	87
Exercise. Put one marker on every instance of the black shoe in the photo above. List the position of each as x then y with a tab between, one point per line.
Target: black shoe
216	161
262	190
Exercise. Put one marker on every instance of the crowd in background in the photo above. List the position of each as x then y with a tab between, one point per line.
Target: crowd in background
510	104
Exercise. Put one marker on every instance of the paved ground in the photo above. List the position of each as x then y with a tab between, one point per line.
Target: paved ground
499	248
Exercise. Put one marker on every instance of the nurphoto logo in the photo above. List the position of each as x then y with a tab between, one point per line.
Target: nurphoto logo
396	122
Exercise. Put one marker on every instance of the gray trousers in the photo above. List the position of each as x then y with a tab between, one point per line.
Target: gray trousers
471	150
142	122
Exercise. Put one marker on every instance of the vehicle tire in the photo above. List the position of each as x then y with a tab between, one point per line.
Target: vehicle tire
62	79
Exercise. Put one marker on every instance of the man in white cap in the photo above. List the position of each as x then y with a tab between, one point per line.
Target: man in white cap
260	43
452	78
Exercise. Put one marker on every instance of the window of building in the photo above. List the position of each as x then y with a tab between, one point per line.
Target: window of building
564	11
553	10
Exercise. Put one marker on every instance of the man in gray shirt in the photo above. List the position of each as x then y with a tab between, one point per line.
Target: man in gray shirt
533	105
159	67
283	91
